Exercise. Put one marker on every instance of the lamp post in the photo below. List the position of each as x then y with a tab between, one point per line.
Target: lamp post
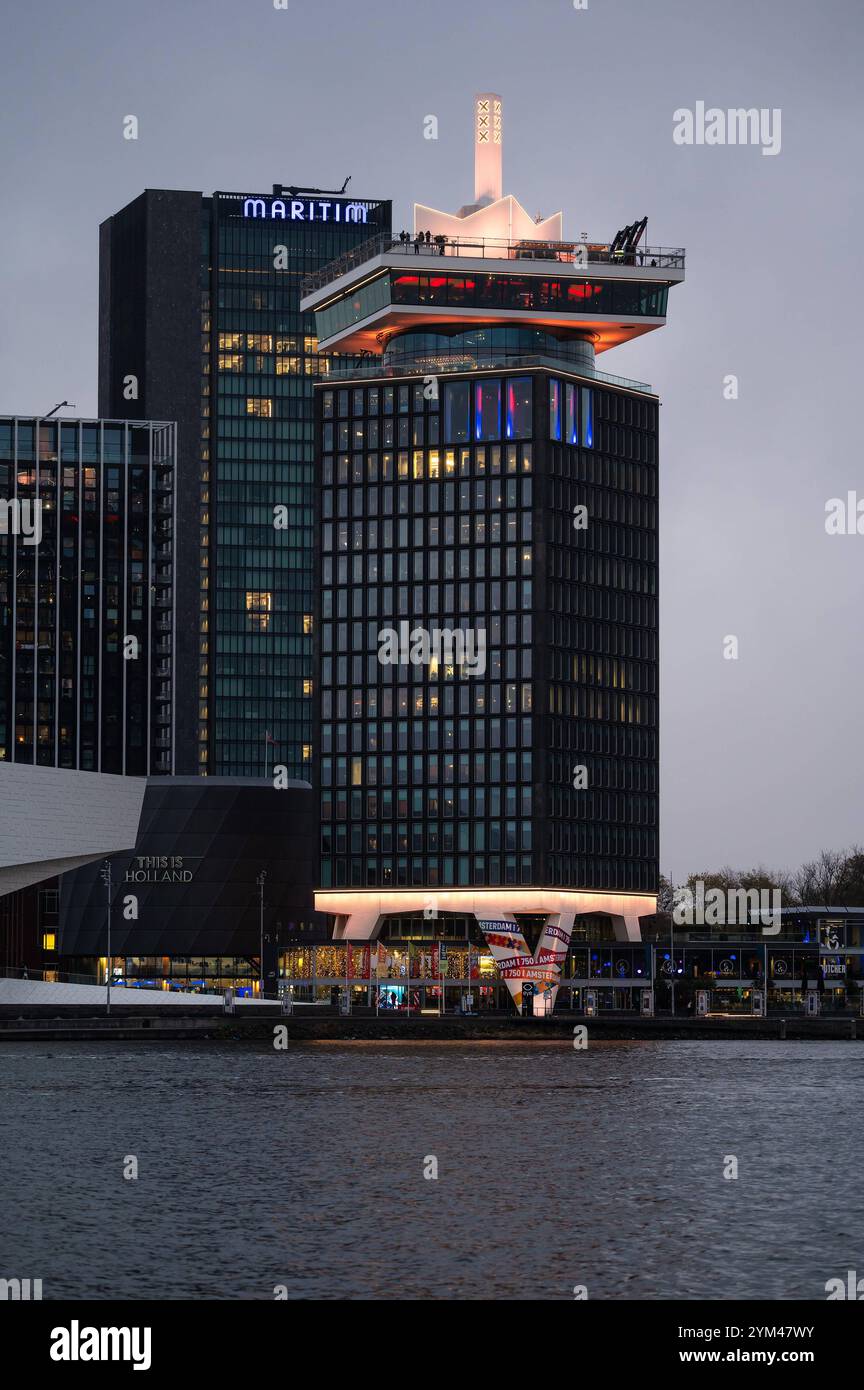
260	881
106	879
672	955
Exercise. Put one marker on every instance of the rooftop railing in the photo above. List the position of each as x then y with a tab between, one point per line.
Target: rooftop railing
493	248
375	365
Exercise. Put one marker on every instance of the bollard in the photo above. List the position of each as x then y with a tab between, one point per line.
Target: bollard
783	1030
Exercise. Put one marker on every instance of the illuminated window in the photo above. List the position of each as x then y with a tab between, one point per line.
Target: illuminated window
259	405
307	623
554	409
287	366
587	417
259	342
571	434
49	941
259	605
307	687
307	752
287	344
487	410
519	403
230	340
231	362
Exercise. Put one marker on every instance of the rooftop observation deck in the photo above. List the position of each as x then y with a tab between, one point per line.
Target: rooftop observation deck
388	287
576	256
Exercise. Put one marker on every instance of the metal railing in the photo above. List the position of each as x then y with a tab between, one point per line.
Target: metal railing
375	366
129	983
52	977
576	253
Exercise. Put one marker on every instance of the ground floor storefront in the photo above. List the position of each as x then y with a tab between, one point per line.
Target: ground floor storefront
689	979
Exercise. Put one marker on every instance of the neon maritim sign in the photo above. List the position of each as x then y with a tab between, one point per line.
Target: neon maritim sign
305	210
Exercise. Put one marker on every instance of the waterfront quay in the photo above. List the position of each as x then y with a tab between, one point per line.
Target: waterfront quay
256	1022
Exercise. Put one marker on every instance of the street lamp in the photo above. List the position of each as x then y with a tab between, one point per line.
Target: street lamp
106	879
260	881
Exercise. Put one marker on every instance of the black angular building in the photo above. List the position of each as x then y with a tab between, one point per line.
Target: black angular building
187	909
200	323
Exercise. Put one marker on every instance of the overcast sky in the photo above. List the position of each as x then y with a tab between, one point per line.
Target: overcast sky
761	757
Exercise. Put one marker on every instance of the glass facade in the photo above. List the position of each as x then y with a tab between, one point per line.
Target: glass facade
469	349
600	638
87	602
473	646
529	293
426	765
259	359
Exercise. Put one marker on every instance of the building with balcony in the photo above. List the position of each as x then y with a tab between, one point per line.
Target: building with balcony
486	621
87	618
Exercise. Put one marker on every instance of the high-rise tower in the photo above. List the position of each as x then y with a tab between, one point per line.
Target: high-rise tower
87	621
487	565
200	323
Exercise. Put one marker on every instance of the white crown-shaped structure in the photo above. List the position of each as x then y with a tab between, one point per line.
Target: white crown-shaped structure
492	216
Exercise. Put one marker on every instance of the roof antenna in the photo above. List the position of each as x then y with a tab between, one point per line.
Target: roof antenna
58	407
345	184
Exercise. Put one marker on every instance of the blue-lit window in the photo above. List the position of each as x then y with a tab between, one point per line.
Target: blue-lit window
554	409
487	410
457	405
571	432
587	417
519	407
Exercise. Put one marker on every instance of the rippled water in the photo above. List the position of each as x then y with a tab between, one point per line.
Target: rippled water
304	1168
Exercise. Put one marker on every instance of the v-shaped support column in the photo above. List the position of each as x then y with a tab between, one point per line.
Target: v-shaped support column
517	965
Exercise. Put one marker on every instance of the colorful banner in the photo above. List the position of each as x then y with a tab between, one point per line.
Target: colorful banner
516	963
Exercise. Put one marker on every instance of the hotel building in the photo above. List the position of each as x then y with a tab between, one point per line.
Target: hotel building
200	322
486	560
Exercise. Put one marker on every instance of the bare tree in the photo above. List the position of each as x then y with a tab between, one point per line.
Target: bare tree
819	883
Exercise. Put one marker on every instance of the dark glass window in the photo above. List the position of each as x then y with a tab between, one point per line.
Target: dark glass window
456	408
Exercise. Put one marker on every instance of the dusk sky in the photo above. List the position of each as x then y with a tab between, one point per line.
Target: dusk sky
761	756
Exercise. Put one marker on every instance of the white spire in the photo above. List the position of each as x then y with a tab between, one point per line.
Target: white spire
488	182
